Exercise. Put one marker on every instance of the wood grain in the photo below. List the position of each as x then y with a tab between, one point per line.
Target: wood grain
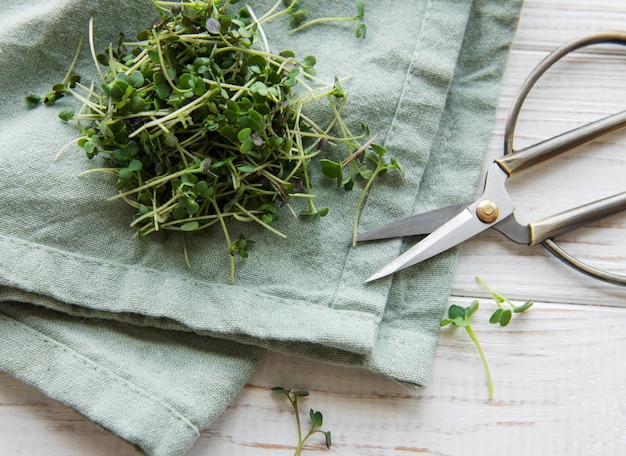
559	375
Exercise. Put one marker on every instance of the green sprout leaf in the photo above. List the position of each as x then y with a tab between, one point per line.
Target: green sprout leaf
190	226
462	317
316	417
502	315
32	101
67	114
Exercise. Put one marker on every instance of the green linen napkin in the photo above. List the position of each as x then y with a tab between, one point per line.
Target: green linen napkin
107	323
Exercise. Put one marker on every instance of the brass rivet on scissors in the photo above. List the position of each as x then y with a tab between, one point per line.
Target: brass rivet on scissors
487	211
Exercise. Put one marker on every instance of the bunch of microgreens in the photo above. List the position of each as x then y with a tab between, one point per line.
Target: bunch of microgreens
462	317
202	125
316	418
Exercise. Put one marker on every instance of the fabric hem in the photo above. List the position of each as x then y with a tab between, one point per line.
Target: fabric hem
94	296
91	385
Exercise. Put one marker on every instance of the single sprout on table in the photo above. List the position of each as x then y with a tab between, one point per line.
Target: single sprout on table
462	317
503	315
316	418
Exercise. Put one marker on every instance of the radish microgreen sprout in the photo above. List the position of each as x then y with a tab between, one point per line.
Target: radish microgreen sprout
462	317
315	416
503	315
299	16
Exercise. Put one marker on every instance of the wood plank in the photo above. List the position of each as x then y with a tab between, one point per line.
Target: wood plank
556	371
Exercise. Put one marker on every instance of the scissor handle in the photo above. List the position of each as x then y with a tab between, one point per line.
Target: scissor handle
516	161
560	223
530	156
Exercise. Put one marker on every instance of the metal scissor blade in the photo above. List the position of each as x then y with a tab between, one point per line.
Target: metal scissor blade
424	223
460	228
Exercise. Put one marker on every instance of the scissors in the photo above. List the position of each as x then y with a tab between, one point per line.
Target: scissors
450	226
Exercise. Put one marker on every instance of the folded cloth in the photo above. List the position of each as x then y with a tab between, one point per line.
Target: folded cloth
120	328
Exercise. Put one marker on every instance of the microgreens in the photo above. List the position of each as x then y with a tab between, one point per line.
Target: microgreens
300	15
503	315
316	418
462	317
201	128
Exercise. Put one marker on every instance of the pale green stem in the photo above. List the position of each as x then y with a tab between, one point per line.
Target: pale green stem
261	222
93	49
153	183
357	212
162	61
472	335
74	60
228	241
321	20
177	113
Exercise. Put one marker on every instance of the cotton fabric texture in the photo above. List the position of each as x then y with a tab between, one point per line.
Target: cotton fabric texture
121	330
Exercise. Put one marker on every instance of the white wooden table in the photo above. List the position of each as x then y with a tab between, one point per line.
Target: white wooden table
559	370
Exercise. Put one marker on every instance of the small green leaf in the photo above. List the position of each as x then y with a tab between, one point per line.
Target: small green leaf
360	9
473	307
162	91
125	174
117	89
189	205
246	146
380	150
328	439
338	89
309	61
202	189
316	417
67	114
244	168
143	35
361	31
280	390
136	79
244	134
331	169
298	17
135	165
505	318
501	316
527	305
32	101
190	226
456	311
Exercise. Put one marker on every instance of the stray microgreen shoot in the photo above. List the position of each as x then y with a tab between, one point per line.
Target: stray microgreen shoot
462	317
316	418
300	15
503	315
